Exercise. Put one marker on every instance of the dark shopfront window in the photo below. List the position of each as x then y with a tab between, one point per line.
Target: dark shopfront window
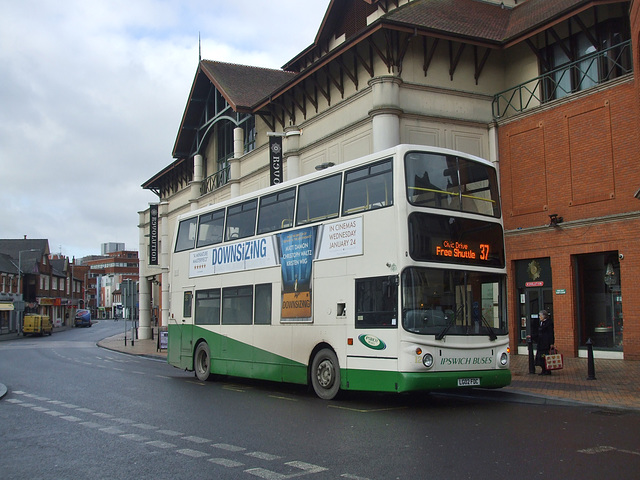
599	300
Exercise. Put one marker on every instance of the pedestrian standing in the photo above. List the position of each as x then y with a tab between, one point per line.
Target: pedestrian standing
545	340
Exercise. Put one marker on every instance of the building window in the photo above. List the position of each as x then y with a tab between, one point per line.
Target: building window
587	58
599	298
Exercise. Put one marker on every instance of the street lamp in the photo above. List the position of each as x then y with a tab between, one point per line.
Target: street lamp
20	289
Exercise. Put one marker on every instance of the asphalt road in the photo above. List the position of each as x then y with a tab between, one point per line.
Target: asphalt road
77	411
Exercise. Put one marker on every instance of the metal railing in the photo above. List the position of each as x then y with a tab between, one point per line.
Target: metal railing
217	180
589	71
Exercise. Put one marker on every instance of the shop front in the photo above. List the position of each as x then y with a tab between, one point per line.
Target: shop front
534	293
592	301
599	300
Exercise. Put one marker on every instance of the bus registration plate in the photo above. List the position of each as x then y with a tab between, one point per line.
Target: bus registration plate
468	382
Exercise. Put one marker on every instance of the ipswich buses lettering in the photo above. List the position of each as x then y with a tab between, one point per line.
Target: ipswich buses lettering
453	361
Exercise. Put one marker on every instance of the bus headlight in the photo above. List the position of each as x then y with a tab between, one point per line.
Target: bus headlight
427	360
504	358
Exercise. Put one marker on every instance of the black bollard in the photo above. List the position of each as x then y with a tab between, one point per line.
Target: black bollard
532	364
591	375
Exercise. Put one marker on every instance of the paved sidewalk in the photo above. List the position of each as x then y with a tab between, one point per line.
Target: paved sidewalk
146	348
617	382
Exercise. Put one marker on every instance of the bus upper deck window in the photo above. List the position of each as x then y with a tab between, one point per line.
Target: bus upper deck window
318	200
276	211
186	234
368	188
241	220
211	228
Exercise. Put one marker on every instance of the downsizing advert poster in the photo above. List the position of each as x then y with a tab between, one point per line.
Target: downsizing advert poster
296	259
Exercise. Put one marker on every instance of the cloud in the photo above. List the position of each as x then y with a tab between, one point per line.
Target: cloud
93	94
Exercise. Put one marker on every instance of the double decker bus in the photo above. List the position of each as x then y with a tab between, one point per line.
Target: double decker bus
385	273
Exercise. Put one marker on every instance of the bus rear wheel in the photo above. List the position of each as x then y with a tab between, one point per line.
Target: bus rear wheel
325	374
202	362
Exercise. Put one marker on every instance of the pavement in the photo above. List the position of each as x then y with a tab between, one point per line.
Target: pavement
616	385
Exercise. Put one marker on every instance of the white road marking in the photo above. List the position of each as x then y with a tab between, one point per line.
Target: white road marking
192	453
262	456
605	448
160	444
194	439
230	448
225	462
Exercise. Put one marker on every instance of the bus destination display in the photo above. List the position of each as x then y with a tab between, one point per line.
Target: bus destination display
441	238
460	250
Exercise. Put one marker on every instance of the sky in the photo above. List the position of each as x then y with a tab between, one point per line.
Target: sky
91	98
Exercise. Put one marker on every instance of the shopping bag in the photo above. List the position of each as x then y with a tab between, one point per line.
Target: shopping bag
554	360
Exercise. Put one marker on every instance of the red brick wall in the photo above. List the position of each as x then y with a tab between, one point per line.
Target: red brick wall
581	160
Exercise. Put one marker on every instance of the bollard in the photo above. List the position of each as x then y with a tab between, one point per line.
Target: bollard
591	369
532	364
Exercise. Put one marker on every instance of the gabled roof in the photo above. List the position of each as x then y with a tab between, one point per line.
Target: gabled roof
472	20
7	265
241	86
483	21
32	252
58	267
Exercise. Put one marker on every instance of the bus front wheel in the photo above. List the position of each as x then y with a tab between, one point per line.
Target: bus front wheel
325	374
202	362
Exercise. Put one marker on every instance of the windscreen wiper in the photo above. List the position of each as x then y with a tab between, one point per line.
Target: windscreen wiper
492	334
451	321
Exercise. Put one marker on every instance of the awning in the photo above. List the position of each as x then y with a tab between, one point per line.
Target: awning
6	307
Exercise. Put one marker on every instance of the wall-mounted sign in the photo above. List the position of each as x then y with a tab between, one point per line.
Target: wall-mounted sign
153	234
275	159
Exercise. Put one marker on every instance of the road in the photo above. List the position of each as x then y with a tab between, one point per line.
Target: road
77	411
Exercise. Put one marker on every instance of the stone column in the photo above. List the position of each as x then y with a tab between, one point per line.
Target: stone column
290	151
196	182
385	112
238	152
165	246
144	297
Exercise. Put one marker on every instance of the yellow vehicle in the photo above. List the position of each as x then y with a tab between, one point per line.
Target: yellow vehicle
37	325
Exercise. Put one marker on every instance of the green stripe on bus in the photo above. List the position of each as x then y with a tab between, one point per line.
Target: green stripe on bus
239	359
382	381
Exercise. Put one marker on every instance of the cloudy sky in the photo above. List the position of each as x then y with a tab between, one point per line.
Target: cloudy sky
91	98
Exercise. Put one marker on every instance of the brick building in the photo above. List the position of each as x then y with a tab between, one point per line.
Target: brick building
548	91
38	283
105	274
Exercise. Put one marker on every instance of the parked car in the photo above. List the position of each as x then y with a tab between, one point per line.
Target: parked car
37	325
83	318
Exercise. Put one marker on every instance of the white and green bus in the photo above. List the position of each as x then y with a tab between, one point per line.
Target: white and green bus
385	273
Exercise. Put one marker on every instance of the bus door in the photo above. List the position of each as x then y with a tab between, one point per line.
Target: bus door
186	329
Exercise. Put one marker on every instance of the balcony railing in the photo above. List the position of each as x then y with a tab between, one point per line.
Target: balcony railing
587	72
217	180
